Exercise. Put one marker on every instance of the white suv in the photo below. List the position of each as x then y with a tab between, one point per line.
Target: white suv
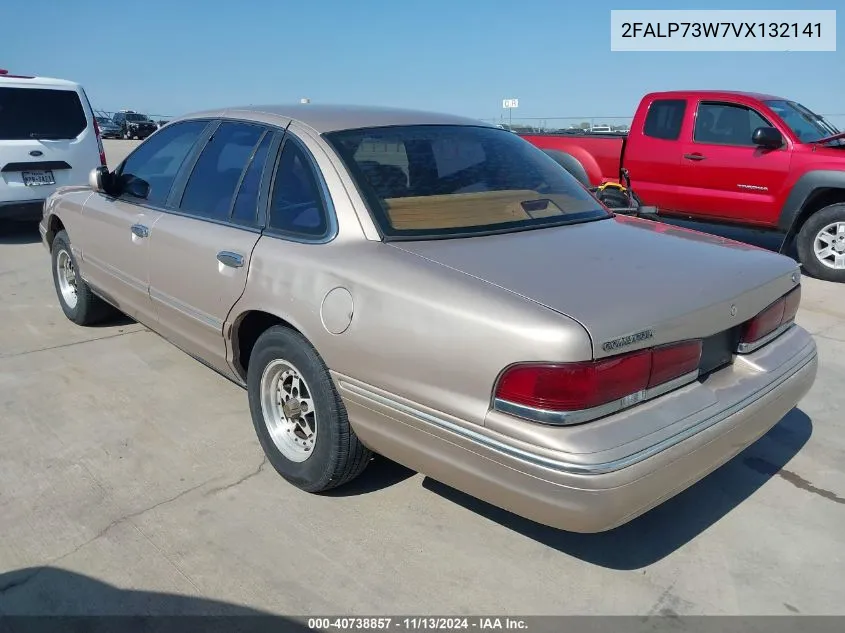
48	139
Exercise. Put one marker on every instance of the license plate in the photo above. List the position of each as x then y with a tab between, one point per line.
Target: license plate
718	350
37	178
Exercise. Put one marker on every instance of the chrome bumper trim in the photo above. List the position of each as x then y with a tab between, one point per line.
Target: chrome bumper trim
747	348
574	467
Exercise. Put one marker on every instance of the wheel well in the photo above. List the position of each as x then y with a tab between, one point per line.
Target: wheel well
247	329
819	199
54	225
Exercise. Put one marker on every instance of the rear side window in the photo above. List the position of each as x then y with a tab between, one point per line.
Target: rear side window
211	187
158	159
296	206
664	119
37	113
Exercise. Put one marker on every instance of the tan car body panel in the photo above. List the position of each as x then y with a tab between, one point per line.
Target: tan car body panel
191	290
416	334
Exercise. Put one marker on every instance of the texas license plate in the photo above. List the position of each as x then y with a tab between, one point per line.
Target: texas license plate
36	178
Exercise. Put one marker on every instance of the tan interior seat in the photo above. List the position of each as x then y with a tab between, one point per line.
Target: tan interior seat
466	209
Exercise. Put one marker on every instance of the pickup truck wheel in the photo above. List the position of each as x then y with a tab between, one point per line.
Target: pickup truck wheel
79	304
298	415
821	243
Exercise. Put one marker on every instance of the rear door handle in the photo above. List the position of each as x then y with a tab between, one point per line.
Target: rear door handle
228	258
694	156
140	230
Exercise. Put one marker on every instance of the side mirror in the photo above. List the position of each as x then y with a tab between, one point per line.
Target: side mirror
136	187
767	137
97	178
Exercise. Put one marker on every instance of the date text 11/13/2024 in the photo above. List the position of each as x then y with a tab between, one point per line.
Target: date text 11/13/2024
420	623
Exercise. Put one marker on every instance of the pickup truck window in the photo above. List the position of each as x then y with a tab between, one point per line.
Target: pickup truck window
442	181
806	125
726	124
664	119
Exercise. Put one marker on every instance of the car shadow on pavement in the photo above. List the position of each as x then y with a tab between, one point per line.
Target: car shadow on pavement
380	473
118	320
28	596
19	232
658	533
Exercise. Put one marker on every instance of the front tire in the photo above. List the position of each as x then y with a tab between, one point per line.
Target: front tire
79	304
821	243
298	415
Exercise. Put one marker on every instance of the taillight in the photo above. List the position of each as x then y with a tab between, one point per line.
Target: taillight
673	361
768	323
100	143
624	380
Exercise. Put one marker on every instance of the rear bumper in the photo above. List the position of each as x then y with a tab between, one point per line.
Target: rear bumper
24	211
555	488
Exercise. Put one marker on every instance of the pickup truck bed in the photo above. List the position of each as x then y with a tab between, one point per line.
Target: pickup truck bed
599	155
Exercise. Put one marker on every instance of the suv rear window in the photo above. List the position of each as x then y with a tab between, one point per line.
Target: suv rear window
40	113
436	181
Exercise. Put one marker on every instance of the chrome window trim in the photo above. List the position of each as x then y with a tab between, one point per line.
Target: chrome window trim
566	418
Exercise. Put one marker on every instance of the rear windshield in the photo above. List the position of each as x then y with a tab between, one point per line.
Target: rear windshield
136	117
435	181
40	114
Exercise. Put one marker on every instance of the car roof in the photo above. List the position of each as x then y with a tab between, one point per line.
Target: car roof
41	82
715	94
324	118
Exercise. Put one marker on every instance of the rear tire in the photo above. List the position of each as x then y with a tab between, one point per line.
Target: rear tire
298	415
821	244
79	304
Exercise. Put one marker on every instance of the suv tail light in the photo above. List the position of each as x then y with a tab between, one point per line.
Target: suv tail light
769	323
100	143
568	393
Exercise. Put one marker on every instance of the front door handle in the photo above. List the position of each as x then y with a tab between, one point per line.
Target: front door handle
228	258
140	230
695	156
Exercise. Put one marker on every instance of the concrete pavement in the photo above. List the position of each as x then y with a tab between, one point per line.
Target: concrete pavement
125	465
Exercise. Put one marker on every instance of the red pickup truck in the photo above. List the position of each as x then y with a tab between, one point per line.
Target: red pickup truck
727	157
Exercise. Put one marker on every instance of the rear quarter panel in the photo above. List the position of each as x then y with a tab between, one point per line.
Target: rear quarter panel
418	330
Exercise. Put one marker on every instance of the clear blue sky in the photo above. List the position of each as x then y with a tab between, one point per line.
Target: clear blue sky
460	56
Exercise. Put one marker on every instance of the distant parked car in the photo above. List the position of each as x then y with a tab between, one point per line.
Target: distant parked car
107	128
47	139
439	291
133	124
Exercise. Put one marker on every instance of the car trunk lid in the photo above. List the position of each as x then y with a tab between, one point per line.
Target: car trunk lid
631	283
